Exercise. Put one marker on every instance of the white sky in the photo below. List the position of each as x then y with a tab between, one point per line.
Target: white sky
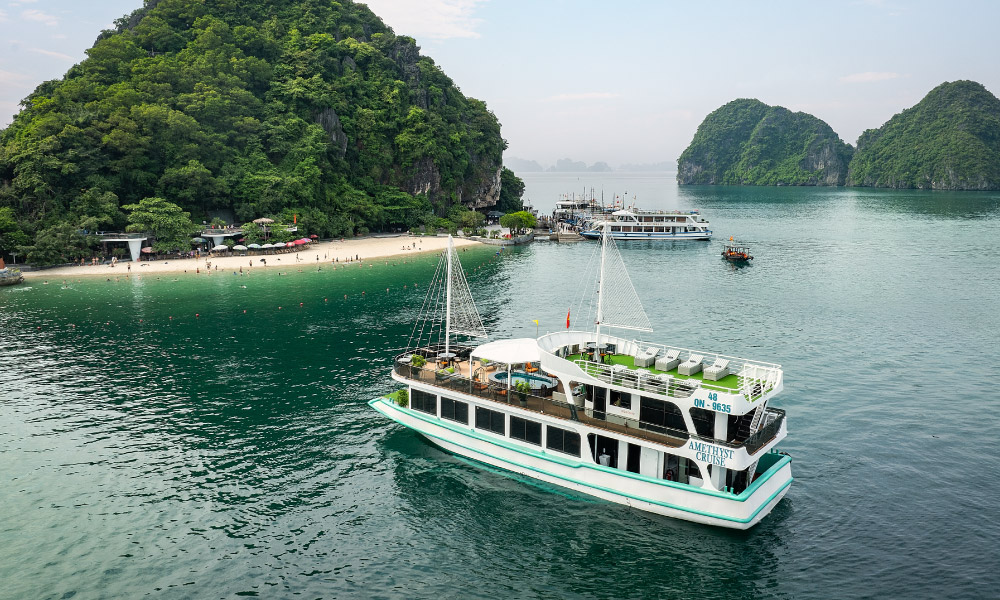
621	82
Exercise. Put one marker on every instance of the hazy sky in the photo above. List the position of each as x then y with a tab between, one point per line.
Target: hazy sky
624	81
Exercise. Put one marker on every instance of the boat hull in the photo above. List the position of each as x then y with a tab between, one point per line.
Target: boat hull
593	234
645	493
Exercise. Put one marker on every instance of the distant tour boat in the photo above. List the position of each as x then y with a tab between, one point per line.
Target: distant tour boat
635	224
682	433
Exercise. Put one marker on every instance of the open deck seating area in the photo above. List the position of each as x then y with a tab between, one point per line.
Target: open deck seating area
729	381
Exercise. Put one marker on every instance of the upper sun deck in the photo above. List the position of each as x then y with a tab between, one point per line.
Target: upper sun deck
657	216
687	376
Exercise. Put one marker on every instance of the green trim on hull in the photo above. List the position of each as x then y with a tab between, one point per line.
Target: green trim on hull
744	496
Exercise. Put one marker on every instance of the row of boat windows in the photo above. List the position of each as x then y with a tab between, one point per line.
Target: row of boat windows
667	415
525	430
604	450
647	229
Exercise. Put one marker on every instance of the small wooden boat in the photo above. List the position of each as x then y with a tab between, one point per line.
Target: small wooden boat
734	253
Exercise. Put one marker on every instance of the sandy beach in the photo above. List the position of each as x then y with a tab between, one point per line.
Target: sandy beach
327	252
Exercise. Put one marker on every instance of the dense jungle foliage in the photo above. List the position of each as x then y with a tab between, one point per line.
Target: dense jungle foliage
245	109
949	140
747	142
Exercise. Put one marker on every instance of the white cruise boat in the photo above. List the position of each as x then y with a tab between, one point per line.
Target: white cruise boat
682	433
635	224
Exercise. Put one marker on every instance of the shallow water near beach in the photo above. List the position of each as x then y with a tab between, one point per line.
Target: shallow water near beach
209	436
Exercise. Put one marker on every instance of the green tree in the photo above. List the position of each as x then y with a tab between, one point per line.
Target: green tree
171	226
511	190
518	222
57	244
253	233
11	235
94	210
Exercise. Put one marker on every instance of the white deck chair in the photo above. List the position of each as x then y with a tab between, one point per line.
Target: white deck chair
668	361
691	366
718	370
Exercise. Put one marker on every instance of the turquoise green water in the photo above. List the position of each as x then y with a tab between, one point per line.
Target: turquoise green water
233	453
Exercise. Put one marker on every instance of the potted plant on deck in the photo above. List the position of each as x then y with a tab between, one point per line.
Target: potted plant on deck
417	363
522	388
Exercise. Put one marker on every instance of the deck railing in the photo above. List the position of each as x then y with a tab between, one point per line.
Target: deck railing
564	410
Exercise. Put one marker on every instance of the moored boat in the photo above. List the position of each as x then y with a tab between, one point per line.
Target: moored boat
673	431
636	224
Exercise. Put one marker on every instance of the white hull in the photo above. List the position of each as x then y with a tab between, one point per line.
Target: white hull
579	474
618	236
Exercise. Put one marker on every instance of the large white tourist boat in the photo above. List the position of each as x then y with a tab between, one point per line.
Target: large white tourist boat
635	224
682	433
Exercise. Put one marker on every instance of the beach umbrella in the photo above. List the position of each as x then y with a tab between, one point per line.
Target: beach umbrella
240	247
279	245
263	221
254	246
147	250
298	242
241	240
197	240
314	236
306	240
220	248
267	246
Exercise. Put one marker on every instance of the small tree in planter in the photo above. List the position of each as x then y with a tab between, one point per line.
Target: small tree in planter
522	388
417	363
402	398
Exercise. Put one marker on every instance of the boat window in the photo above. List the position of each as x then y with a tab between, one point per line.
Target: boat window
621	399
704	421
604	450
693	470
661	414
489	420
423	401
561	440
453	410
525	430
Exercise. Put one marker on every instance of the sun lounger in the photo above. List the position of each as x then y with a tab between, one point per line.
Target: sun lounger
645	358
718	370
692	366
668	361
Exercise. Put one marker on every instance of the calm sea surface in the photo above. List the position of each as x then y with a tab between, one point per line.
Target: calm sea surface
209	437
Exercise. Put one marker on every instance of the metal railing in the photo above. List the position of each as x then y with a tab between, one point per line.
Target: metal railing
563	410
643	380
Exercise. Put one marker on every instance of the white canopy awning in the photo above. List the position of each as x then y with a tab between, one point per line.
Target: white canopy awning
509	352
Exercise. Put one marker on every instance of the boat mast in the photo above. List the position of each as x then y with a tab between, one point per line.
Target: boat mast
447	300
600	281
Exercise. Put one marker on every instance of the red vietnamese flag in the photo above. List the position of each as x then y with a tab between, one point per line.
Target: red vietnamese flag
567	318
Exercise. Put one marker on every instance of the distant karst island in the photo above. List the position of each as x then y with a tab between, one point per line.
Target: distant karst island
950	140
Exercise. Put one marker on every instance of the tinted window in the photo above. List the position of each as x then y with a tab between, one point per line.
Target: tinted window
423	401
454	410
563	441
490	420
525	430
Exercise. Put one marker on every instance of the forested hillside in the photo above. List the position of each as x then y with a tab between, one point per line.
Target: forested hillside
747	142
949	140
255	108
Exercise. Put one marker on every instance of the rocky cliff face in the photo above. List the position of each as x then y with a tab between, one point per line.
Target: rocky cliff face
747	142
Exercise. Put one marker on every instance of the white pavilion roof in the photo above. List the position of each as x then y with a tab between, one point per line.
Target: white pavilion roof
515	351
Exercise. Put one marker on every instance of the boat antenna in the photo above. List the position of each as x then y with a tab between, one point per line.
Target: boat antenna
600	280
